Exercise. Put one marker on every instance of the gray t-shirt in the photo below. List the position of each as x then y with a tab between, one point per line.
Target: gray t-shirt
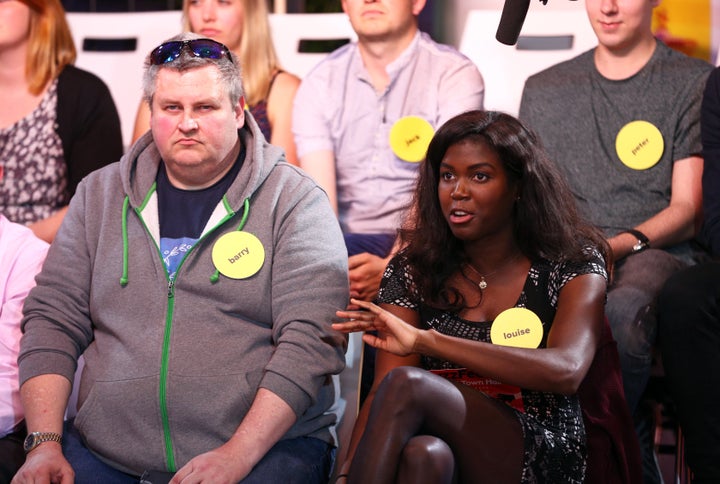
578	114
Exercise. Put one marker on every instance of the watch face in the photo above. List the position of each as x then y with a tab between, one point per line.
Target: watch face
29	442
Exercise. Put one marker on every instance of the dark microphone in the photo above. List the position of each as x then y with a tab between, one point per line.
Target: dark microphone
511	21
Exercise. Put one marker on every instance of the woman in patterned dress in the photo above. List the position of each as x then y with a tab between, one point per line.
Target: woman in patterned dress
496	252
57	123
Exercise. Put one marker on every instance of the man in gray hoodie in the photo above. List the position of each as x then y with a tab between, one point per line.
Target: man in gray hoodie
198	277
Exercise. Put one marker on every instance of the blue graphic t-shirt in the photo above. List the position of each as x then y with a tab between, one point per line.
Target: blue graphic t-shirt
183	214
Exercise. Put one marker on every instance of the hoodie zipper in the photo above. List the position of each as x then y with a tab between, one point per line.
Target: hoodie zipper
165	357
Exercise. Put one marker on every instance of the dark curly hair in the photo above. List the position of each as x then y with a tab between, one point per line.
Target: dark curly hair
546	221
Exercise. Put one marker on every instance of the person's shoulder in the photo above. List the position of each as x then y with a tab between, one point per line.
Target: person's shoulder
284	82
291	177
713	81
78	84
338	59
436	49
564	70
75	76
682	64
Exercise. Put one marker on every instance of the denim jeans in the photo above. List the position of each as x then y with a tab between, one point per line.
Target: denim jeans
302	460
631	312
376	244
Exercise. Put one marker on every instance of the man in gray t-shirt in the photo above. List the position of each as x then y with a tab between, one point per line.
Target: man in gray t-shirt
623	123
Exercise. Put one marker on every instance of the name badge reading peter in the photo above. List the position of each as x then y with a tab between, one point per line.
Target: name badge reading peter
410	137
518	327
238	255
639	145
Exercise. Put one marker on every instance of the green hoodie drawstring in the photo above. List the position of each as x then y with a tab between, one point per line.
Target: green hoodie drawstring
124	277
126	204
246	211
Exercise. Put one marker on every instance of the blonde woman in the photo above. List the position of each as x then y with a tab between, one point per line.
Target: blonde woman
243	26
57	123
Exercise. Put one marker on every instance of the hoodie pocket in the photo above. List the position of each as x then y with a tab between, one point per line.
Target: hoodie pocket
120	421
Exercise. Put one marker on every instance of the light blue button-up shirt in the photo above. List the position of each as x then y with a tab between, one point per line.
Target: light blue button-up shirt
337	109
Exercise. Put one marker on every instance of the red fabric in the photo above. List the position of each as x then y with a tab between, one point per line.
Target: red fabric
613	450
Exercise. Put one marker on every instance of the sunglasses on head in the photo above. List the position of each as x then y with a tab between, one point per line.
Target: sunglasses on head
204	48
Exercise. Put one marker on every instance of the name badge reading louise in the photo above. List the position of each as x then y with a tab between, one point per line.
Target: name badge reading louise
410	137
238	255
639	145
518	327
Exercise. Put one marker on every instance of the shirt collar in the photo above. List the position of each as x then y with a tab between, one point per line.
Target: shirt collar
395	67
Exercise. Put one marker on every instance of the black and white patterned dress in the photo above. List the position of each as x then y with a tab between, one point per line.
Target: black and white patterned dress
552	424
35	181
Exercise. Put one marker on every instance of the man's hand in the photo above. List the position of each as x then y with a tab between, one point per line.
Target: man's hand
45	464
215	467
366	272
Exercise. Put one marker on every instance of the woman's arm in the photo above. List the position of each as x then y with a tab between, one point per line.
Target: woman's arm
46	229
384	362
279	108
559	368
142	121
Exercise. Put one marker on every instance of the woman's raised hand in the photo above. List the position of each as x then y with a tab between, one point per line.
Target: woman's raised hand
394	335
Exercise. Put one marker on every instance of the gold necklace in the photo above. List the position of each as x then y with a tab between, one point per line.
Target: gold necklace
482	284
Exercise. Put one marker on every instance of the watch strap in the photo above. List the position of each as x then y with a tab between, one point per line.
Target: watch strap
36	438
643	241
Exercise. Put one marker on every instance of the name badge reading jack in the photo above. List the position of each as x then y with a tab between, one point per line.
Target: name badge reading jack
518	327
238	255
639	145
410	137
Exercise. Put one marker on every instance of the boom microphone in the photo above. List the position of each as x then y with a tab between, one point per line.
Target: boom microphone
511	21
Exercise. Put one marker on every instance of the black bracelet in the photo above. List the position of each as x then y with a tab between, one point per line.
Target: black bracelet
642	240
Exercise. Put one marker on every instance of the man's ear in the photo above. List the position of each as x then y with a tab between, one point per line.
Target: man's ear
240	112
418	5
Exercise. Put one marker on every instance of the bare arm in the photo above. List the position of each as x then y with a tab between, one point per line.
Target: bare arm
44	399
558	368
142	121
680	220
46	229
320	165
279	106
268	419
384	362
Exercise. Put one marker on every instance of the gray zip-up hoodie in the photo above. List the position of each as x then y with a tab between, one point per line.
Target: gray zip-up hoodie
172	368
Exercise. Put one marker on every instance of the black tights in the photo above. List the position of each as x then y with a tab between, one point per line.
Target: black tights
423	428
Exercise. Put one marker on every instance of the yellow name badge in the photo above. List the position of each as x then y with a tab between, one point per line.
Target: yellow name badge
238	255
410	137
518	327
639	145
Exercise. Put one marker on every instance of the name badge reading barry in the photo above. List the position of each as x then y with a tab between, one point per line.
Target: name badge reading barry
639	145
410	137
518	327
238	255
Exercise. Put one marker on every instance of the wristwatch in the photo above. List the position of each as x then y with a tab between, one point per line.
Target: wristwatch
642	241
36	438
